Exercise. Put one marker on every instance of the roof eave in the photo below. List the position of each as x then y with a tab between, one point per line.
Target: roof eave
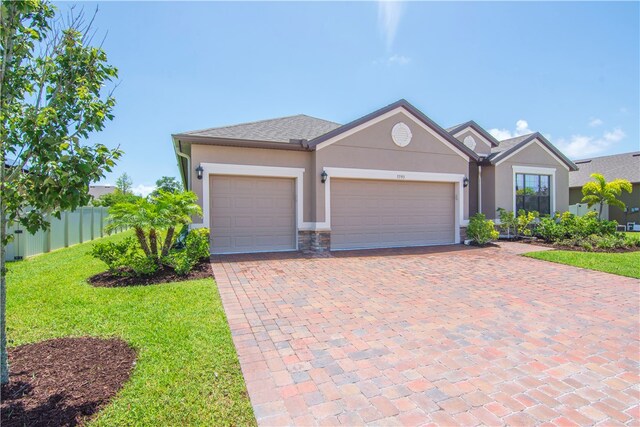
209	140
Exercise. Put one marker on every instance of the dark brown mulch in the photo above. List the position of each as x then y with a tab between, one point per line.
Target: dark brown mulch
64	381
165	275
579	248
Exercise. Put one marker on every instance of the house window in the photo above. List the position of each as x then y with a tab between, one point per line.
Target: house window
533	193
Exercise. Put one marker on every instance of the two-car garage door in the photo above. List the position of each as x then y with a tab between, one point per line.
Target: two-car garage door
378	214
258	214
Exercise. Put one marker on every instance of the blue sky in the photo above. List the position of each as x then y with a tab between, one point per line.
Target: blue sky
569	70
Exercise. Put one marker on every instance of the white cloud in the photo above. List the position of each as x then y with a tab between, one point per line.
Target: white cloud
522	128
389	15
398	59
580	146
143	190
393	60
595	122
615	135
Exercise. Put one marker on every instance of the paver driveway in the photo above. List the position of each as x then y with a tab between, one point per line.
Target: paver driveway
444	336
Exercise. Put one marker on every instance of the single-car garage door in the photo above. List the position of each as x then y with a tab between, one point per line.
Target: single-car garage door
378	214
252	214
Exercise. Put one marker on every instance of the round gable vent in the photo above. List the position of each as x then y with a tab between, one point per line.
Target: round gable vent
470	142
401	134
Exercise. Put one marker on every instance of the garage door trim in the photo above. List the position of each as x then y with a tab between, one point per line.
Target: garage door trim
391	175
252	170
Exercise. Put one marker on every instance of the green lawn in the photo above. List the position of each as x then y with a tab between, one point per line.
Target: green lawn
187	370
624	264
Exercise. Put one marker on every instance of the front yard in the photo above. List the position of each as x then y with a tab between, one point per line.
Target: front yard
187	370
624	264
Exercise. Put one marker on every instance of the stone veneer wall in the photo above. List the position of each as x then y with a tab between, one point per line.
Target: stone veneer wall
314	241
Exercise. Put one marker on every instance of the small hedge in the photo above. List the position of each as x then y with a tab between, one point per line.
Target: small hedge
126	258
568	230
481	230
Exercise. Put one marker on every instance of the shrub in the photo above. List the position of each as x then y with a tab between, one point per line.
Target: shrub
141	265
525	221
197	244
481	230
632	240
549	229
114	254
124	258
508	223
586	245
594	241
196	249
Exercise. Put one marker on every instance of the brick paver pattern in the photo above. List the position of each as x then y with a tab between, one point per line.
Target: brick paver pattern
444	336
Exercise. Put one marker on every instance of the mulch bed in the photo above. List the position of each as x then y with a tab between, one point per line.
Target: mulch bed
63	381
165	275
578	248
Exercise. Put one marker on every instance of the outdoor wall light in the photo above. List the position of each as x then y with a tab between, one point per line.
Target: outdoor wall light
465	182
199	170
323	176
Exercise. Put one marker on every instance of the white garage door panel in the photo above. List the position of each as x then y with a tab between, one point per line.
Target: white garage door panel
252	214
377	214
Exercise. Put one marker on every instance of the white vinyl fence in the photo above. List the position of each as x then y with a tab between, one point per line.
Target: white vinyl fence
580	209
73	227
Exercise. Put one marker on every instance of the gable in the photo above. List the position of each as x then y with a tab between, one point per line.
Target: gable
534	152
483	145
375	133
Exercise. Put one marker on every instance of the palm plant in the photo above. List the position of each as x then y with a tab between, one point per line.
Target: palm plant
164	211
176	209
600	191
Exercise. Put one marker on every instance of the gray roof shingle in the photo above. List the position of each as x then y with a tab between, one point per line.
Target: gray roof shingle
626	166
282	129
506	144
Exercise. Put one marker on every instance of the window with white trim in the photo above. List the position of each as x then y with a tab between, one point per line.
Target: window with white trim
533	193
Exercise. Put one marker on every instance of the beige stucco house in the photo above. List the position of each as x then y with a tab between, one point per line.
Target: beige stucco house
392	178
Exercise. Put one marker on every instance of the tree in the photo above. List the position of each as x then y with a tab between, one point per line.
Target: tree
124	183
148	217
603	192
116	197
51	98
167	183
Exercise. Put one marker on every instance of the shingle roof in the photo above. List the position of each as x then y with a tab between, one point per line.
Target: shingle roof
282	129
472	124
506	144
626	166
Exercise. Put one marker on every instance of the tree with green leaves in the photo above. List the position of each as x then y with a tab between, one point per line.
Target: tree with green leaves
114	198
148	217
124	183
167	183
52	97
603	192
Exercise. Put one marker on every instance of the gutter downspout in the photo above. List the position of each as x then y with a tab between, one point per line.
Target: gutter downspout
479	188
181	154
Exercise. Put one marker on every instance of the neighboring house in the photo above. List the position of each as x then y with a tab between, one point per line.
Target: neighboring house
626	166
392	178
96	191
